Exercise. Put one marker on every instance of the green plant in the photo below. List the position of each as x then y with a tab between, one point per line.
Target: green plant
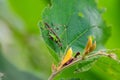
67	24
24	56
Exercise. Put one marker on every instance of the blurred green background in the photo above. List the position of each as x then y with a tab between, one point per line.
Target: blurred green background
23	54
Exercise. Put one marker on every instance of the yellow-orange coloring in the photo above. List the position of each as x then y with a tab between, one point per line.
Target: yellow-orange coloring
66	58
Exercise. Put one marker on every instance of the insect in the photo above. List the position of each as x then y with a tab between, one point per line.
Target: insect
53	36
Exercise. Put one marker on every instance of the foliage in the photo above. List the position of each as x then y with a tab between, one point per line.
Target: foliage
26	53
67	25
63	20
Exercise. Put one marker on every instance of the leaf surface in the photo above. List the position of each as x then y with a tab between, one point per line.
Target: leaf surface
71	22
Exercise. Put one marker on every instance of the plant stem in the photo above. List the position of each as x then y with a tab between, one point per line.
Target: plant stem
102	53
52	76
56	72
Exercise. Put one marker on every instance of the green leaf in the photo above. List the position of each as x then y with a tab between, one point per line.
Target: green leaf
86	64
79	67
104	69
108	67
72	22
